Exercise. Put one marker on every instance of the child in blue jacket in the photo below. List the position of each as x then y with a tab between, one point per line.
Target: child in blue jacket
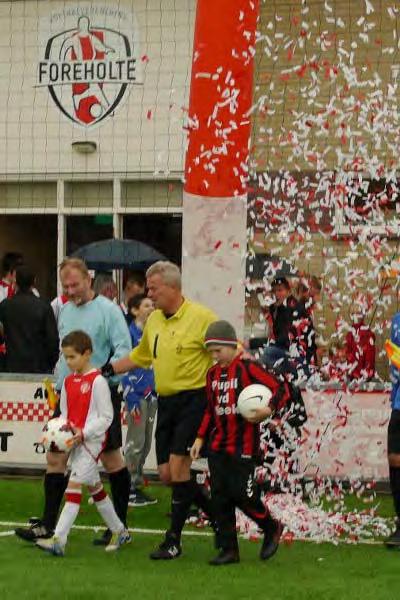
141	406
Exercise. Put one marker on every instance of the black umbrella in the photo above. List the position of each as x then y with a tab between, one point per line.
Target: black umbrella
118	254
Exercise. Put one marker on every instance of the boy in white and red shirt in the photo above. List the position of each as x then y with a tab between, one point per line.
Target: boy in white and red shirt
86	403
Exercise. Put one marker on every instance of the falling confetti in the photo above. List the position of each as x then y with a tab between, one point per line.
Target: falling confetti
323	198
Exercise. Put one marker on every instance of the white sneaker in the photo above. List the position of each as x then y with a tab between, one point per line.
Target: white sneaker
118	539
52	545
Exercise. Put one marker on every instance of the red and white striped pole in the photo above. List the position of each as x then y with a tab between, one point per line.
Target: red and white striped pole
216	169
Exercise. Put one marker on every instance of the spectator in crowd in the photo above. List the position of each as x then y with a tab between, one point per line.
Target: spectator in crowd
58	302
335	368
141	404
303	293
57	305
105	285
9	263
360	347
315	288
173	343
305	327
135	284
288	323
103	321
30	329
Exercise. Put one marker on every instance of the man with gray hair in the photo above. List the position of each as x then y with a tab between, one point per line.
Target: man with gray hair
173	343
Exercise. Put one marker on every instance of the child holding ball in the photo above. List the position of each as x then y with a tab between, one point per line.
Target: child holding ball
234	442
86	403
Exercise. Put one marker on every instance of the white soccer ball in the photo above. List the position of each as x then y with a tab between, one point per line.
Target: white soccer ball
252	397
57	435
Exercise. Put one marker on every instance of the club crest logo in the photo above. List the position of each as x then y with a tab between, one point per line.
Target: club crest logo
85	387
89	68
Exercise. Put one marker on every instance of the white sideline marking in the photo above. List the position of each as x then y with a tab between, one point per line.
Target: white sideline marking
6	533
97	528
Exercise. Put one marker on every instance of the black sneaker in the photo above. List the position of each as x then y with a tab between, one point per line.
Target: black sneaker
271	540
104	540
36	531
168	549
393	541
139	498
225	557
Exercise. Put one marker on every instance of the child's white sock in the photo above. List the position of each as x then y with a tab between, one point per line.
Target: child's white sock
107	511
69	513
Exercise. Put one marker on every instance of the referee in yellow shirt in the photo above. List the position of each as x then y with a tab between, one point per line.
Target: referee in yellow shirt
173	343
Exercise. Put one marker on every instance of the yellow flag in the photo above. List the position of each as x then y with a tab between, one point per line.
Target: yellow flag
393	352
52	398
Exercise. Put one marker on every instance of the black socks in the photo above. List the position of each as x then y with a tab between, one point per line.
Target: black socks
182	497
120	483
55	485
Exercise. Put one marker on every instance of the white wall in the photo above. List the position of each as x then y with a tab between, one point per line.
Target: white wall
144	135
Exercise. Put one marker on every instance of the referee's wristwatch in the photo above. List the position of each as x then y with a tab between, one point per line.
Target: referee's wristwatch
107	370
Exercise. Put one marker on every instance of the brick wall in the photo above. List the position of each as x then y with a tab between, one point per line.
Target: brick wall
326	106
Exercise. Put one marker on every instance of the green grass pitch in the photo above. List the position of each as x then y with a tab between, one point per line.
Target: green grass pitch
299	570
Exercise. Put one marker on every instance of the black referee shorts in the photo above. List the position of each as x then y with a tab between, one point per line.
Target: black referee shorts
114	433
178	420
393	443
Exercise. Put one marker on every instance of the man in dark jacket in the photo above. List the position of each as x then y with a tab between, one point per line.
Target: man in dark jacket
30	329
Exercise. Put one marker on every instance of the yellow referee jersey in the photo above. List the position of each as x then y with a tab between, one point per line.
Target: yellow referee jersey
174	346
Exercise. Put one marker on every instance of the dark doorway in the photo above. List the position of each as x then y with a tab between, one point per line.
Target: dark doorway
162	232
35	236
87	229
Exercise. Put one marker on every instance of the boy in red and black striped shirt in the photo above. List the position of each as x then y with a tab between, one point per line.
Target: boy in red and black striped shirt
234	442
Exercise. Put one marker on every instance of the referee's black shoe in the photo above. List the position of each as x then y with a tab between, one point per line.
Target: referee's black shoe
37	531
393	541
225	557
169	549
271	540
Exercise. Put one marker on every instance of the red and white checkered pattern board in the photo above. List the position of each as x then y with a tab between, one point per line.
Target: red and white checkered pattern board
24	411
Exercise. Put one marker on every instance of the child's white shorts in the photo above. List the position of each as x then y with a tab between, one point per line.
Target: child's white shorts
84	467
